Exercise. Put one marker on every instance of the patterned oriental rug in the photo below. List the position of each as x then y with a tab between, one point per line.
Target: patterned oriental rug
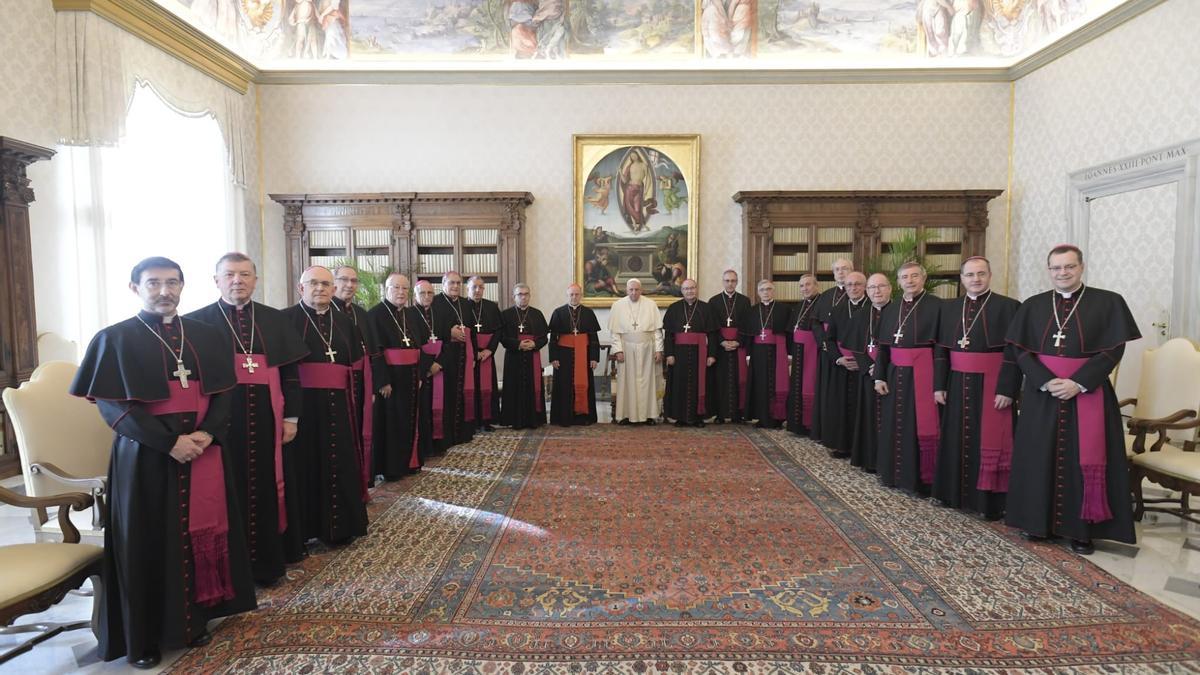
615	549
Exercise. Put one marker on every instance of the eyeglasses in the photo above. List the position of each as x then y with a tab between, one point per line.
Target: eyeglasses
877	287
348	280
155	284
1063	268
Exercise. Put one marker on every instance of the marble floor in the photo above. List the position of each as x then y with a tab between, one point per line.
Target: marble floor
1165	564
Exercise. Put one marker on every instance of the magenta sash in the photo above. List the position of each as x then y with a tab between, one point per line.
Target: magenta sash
731	333
486	368
920	359
809	373
779	398
368	423
208	510
434	349
700	340
401	357
1089	422
469	378
337	376
269	376
539	400
995	426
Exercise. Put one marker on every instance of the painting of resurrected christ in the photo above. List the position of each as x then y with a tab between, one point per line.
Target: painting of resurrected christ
635	216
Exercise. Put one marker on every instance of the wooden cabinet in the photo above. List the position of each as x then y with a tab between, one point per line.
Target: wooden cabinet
421	234
18	324
789	233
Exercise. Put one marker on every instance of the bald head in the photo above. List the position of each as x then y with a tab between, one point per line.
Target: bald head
856	285
316	287
879	289
424	293
396	289
574	295
689	289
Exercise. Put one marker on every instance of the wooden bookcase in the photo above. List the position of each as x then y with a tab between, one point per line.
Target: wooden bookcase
421	234
789	233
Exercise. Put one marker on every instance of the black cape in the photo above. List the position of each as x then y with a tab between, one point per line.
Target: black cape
681	396
1046	489
762	376
148	600
724	394
519	407
829	300
398	447
987	319
839	403
262	330
802	317
562	398
898	460
322	463
486	314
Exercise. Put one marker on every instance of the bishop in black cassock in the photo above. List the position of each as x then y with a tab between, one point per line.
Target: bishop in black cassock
806	355
690	344
828	302
456	357
841	389
399	448
974	372
322	465
910	427
727	377
266	405
485	331
370	372
1069	468
767	334
523	332
174	548
863	341
574	353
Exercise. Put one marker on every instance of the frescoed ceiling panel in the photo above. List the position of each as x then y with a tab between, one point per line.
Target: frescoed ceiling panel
301	34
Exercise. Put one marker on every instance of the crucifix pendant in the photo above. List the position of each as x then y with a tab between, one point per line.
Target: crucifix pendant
182	373
574	331
250	364
478	326
406	341
330	352
432	339
871	347
963	342
635	325
520	328
728	321
687	327
1058	338
897	335
763	334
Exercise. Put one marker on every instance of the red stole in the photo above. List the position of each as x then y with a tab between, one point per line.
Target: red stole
929	432
337	376
539	400
700	340
995	426
809	373
269	376
207	510
408	357
579	343
731	333
486	368
1089	422
434	349
779	397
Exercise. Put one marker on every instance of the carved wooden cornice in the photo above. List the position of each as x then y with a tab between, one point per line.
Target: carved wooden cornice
14	157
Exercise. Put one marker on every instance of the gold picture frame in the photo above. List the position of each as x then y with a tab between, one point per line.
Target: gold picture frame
630	194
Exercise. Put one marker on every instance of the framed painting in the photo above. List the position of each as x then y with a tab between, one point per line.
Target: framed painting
637	208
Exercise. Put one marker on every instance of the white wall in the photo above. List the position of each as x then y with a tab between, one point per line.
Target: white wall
805	137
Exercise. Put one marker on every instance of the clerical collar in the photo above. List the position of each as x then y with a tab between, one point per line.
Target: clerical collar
149	317
318	312
225	303
841	287
730	295
574	306
976	297
881	306
1067	294
765	302
691	302
914	298
341	304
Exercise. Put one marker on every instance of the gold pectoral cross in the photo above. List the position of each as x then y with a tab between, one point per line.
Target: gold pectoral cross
251	364
182	373
330	352
963	342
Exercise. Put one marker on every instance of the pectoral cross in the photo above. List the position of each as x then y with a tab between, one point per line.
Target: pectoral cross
182	373
1058	338
574	331
432	339
635	325
478	326
330	352
406	341
963	342
897	335
763	334
250	364
728	321
687	327
521	327
871	347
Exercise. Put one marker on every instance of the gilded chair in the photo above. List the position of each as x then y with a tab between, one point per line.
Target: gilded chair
1161	444
37	576
65	445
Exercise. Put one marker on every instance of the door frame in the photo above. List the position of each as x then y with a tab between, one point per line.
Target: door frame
1177	164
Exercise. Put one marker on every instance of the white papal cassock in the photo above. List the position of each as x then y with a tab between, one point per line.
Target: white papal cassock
636	330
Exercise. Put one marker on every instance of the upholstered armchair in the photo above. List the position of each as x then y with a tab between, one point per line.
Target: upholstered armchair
1168	403
37	576
65	445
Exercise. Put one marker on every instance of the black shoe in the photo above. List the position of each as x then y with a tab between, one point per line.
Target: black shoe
200	640
839	454
699	424
1029	536
151	659
993	517
1082	547
680	423
650	423
624	422
718	420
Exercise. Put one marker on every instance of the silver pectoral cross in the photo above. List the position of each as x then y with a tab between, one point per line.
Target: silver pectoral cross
521	327
728	321
963	342
406	341
250	364
687	327
182	373
763	334
871	347
478	326
1058	338
432	339
574	331
330	352
897	335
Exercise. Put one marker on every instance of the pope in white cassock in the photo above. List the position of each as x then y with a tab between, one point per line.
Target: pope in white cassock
637	344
